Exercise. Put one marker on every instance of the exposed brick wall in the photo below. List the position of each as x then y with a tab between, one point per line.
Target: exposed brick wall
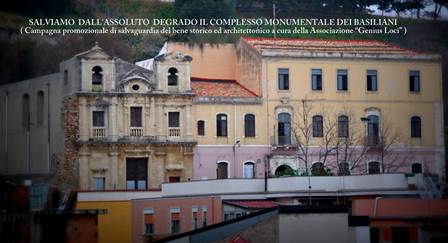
67	168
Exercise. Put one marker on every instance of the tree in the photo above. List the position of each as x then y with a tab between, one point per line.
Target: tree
205	8
352	148
302	132
438	4
389	138
384	6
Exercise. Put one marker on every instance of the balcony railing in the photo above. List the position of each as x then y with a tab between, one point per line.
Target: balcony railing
136	132
97	87
99	132
174	132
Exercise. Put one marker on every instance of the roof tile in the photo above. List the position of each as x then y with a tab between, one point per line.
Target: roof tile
327	46
219	88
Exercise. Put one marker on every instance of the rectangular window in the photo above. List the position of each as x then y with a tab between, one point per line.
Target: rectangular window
175	222
136	173
173	119
136	116
318	126
221	125
204	216
316	79
194	218
98	118
174	179
283	79
249	125
342	79
414	81
372	80
99	183
148	221
201	128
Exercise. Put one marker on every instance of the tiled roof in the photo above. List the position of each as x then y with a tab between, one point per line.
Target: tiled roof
253	204
219	88
372	47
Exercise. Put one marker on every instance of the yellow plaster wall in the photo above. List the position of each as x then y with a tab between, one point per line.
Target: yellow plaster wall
115	226
393	98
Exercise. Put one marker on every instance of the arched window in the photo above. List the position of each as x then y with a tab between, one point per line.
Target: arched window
343	126
222	170
416	127
172	77
249	170
65	77
374	167
40	107
317	169
416	168
201	128
284	170
284	128
343	169
373	130
97	76
318	126
249	125
221	125
26	111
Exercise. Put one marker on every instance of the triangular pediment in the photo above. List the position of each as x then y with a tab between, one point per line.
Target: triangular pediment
95	52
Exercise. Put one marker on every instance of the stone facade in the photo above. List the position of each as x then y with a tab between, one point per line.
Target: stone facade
134	124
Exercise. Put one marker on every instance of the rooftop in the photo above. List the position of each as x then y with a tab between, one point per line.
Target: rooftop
334	48
252	204
219	88
409	207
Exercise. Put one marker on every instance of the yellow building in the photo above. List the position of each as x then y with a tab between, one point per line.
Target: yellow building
115	225
346	106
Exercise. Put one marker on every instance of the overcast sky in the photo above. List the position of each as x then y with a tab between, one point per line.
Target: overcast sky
443	13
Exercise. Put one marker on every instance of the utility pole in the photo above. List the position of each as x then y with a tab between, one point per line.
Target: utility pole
273	15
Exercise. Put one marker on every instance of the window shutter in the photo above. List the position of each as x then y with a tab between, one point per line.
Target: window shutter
149	219
175	216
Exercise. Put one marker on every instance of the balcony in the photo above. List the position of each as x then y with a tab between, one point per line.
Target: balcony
136	132
174	132
99	132
97	87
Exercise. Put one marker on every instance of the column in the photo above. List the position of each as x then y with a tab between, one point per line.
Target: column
188	123
83	120
160	126
113	119
113	154
84	170
152	117
146	117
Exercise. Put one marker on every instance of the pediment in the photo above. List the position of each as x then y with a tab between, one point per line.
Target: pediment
95	52
173	57
137	74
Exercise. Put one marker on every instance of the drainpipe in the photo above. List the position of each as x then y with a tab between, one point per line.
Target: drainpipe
6	129
375	207
266	161
48	128
236	141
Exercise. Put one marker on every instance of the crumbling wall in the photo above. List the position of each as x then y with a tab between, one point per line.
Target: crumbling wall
66	168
